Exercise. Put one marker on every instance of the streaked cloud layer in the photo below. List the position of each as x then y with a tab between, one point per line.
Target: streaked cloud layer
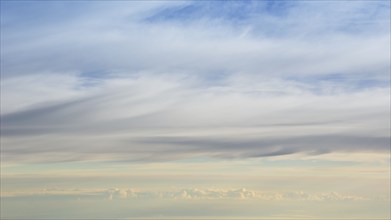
163	84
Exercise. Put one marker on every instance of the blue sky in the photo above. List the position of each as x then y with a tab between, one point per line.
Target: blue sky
160	103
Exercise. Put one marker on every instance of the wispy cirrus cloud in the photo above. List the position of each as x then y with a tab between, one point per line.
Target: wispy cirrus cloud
142	80
161	117
323	44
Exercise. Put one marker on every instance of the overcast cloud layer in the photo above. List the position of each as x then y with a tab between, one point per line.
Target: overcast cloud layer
130	81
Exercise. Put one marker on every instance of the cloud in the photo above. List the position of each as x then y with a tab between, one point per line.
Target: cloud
194	194
175	116
272	205
114	37
216	194
158	81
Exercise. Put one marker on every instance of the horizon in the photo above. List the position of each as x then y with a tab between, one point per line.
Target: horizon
195	109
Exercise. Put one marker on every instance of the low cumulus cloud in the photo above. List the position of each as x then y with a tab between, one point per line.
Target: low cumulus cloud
213	194
193	194
195	203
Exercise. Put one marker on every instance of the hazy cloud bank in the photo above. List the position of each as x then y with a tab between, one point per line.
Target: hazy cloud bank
191	194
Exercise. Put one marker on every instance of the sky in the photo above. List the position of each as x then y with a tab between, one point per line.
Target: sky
195	109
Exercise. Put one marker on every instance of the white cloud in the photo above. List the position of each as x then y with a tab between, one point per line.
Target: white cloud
115	37
159	117
127	88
